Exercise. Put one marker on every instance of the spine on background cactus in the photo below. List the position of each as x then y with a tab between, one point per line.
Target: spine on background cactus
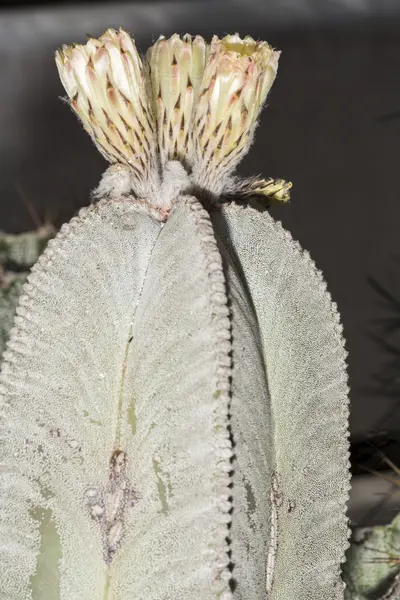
174	403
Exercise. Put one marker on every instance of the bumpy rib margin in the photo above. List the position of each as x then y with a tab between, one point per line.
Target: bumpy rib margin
219	543
337	328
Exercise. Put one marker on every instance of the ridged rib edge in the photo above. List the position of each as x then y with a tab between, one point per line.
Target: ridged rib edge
219	543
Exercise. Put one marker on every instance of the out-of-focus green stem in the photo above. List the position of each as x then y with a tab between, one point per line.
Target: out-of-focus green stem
17	255
373	563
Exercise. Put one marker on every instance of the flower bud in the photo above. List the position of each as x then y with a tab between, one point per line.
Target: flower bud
105	84
175	70
237	78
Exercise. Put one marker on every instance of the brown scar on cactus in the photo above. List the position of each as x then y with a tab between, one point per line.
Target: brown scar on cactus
107	505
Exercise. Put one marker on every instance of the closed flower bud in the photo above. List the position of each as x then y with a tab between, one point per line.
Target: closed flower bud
175	70
178	123
237	78
105	84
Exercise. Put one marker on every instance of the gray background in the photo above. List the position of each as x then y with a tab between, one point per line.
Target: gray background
332	127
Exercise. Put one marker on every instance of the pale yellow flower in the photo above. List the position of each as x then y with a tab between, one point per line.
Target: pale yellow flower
237	78
191	102
105	84
175	70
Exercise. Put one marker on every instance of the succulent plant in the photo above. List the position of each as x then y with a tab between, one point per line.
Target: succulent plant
174	393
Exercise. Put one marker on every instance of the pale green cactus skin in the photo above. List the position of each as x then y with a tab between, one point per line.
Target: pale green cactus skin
162	396
123	338
304	364
371	570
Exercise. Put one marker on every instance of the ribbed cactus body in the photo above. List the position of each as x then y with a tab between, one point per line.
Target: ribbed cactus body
128	351
300	334
131	350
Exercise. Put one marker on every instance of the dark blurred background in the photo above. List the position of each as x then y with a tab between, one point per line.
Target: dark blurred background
332	127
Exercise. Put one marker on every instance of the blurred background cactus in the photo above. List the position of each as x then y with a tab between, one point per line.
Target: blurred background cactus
18	253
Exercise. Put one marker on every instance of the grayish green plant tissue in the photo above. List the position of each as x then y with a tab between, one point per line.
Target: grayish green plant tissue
174	398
